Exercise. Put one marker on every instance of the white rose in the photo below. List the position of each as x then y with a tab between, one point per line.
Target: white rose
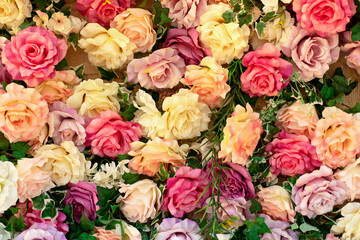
8	185
14	12
4	235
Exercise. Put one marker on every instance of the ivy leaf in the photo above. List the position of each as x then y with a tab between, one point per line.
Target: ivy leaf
161	14
244	18
61	65
327	92
228	16
79	71
260	27
128	114
305	227
4	143
74	39
19	149
105	195
255	206
15	225
355	32
38	202
107	75
49	211
269	16
130	178
86	224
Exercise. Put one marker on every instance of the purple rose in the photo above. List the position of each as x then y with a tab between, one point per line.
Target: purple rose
279	230
186	42
177	229
236	180
318	192
41	231
68	125
4	74
83	198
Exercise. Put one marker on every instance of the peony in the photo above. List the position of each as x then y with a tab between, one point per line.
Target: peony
137	25
186	191
148	157
22	113
185	13
13	13
244	126
336	137
106	48
266	74
350	176
83	197
276	202
33	179
318	192
348	225
298	118
32	54
280	230
161	69
186	42
8	191
4	74
65	162
291	154
325	17
41	231
351	50
184	116
58	88
311	53
208	81
108	135
174	228
92	97
68	125
141	200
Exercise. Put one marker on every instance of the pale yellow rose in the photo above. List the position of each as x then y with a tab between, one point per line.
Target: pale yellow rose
214	13
46	131
350	175
106	48
92	97
348	225
130	232
14	12
184	116
141	200
276	202
65	162
8	186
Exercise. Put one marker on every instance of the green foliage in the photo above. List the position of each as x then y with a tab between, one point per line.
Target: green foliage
130	178
255	228
61	65
355	32
38	202
161	19
19	149
107	74
4	143
244	18
269	16
74	39
15	225
260	27
355	109
123	157
228	16
86	224
106	195
79	71
49	210
128	113
26	24
255	206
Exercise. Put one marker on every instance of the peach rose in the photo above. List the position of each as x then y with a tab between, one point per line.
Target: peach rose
46	131
130	232
208	81
276	202
337	137
102	234
92	97
23	113
350	175
298	118
241	135
147	157
137	25
58	88
33	179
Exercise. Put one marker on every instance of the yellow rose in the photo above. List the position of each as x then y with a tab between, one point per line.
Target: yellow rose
106	48
14	12
92	97
348	225
65	162
184	116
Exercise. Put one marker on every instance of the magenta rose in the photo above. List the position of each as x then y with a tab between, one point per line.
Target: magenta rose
318	192
83	198
280	230
326	17
266	72
186	42
32	54
41	231
291	154
183	191
4	74
108	135
236	180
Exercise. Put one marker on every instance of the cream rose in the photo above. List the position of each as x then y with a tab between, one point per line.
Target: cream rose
184	117
92	97
348	225
106	48
65	162
137	25
14	12
8	186
214	13
141	201
350	175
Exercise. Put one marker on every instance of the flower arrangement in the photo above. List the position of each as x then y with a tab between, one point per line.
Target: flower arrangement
207	119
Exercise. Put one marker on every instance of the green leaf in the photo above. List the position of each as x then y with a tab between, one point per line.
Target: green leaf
86	236
128	114
14	210
130	178
38	202
260	27
19	149
163	173
193	162
338	100
4	143
161	14
355	109
49	211
327	92
4	85
228	16
105	195
107	75
15	225
305	227
255	206
26	24
86	224
79	71
269	16
341	85
293	179
123	157
74	39
244	18
355	32
61	65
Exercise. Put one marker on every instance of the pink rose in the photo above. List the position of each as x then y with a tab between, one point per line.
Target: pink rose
318	192
32	54
108	135
183	191
186	42
4	74
280	230
185	13
311	53
164	68
351	50
291	154
325	17
266	72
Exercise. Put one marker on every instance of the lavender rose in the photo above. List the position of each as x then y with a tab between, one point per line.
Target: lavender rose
41	231
279	230
186	42
318	192
68	125
176	229
351	51
83	197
